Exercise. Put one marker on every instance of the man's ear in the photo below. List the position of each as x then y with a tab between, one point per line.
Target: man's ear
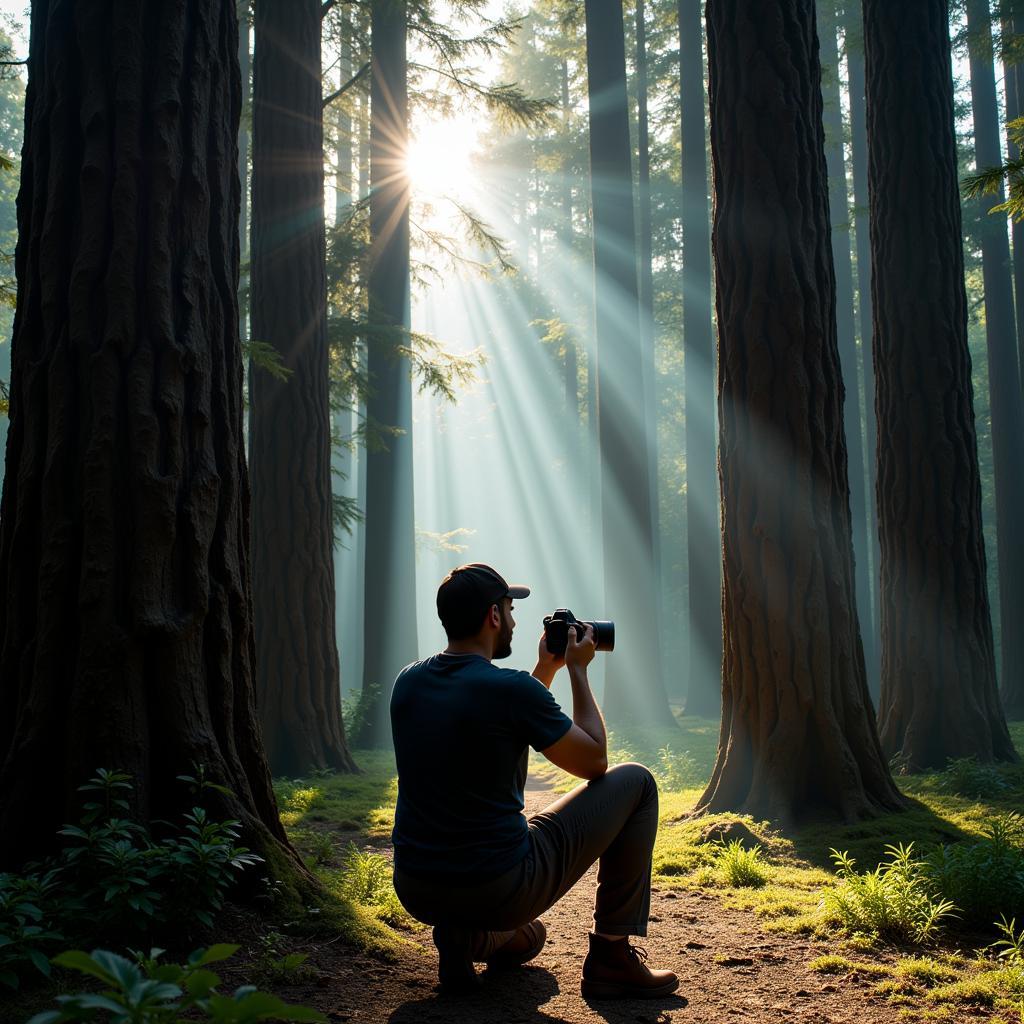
495	616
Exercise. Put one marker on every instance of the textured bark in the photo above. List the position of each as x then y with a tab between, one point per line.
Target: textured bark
938	695
854	42
390	591
1014	89
634	689
704	544
298	688
798	736
124	533
839	214
1003	370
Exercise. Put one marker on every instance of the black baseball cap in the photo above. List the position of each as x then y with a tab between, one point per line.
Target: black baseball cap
466	595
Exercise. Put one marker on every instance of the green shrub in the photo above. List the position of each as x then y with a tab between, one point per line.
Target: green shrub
676	771
894	902
26	931
964	776
148	992
984	878
741	867
366	879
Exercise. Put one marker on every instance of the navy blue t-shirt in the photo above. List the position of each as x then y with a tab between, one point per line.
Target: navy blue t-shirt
461	727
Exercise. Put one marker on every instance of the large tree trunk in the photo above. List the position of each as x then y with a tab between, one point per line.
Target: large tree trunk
390	604
634	689
124	534
798	736
298	688
1003	370
704	687
839	213
1014	90
645	296
854	45
939	695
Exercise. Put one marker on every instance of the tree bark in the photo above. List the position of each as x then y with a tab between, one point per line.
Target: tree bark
1014	109
938	696
634	688
298	686
704	545
839	213
124	532
854	44
798	736
390	591
1003	369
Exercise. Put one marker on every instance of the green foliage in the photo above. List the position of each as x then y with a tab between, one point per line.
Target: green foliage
676	771
366	880
741	867
264	356
149	992
964	776
116	878
26	932
277	967
893	903
358	707
984	878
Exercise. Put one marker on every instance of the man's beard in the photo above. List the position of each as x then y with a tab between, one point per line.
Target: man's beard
503	647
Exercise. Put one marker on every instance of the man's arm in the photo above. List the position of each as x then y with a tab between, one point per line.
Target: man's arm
583	750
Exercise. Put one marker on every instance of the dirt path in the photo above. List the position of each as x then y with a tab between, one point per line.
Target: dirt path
729	971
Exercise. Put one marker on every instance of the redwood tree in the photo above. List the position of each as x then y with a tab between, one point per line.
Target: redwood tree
704	675
390	589
1007	403
938	696
634	688
290	428
798	736
126	623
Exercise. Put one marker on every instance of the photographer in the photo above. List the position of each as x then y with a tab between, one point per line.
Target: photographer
466	859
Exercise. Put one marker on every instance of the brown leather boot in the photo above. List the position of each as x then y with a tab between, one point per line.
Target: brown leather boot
526	942
614	969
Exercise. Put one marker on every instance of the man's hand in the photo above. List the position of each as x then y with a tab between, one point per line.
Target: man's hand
580	653
547	663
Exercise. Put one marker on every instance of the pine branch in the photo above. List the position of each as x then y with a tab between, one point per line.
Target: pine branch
345	86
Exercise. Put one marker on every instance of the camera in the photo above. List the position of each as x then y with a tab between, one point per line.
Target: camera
556	631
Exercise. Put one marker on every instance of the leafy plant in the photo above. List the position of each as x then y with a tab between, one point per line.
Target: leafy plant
148	992
24	935
275	965
894	902
321	848
984	878
741	867
964	776
676	771
366	879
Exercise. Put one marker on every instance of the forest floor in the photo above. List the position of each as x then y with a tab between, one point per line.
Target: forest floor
740	954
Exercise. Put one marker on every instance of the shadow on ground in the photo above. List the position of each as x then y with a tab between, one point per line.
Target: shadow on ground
518	997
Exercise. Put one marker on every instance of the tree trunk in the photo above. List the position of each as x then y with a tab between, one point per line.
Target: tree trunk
124	532
1003	370
1014	109
839	214
704	548
938	695
645	286
798	737
634	689
390	604
854	44
289	422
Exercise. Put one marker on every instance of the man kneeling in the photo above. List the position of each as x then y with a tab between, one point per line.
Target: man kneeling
466	859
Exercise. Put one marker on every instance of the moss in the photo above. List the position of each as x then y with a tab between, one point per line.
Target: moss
926	970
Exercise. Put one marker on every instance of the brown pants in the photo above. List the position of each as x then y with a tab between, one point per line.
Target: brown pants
613	819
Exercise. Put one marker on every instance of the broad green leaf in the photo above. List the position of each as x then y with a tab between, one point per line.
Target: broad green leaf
219	951
78	960
41	962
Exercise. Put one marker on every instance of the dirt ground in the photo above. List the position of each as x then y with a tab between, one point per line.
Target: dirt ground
729	971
